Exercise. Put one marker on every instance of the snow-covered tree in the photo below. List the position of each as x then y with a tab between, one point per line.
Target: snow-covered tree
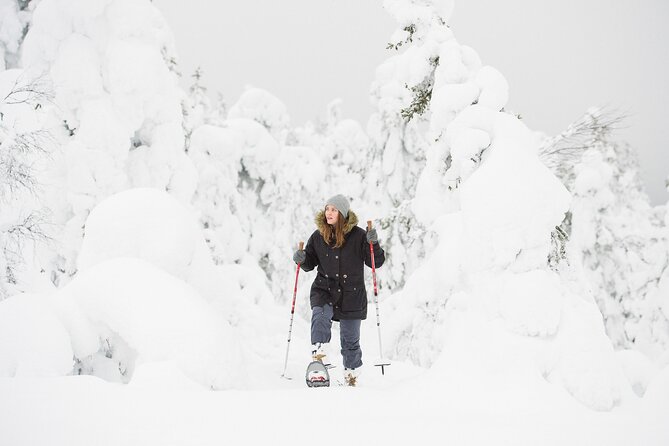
341	144
264	108
420	157
256	195
613	232
439	92
396	155
198	108
486	292
24	144
119	105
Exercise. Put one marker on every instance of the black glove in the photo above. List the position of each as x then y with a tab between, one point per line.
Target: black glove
372	237
300	256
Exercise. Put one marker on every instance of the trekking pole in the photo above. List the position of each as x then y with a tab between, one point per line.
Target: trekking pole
381	362
292	313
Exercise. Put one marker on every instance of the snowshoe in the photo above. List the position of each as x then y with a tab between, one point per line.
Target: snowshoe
317	375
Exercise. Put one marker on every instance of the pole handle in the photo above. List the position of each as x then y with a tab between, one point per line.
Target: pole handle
301	246
369	224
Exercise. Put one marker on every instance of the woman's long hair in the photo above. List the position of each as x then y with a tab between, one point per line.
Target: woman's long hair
334	234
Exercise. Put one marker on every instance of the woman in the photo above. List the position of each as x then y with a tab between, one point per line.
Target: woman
340	249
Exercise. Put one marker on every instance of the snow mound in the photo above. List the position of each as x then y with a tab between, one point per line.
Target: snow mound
33	341
585	362
161	376
531	302
638	369
158	316
152	225
656	398
483	365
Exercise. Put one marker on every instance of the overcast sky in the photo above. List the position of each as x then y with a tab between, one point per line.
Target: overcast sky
560	58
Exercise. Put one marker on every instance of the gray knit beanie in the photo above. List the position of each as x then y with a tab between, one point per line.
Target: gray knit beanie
341	203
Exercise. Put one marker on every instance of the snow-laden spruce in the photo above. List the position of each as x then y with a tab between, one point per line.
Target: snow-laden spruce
264	108
485	299
260	186
118	105
249	186
33	339
619	241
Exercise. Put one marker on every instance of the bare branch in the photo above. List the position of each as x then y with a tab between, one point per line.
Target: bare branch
565	150
16	169
17	148
29	228
33	90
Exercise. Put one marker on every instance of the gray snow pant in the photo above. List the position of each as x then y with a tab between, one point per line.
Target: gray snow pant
349	334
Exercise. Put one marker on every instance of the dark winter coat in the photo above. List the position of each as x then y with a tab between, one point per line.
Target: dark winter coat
340	280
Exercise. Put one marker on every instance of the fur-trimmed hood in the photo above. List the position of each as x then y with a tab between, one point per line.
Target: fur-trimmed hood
351	221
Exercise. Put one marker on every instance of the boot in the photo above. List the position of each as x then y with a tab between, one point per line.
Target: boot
319	353
351	377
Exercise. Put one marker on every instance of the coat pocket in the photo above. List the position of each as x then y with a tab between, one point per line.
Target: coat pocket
354	298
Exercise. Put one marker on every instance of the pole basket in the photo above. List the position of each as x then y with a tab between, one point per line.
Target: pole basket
383	365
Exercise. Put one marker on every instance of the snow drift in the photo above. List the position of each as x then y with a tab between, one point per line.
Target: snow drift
157	316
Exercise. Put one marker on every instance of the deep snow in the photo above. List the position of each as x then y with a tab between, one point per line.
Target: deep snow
171	285
406	406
